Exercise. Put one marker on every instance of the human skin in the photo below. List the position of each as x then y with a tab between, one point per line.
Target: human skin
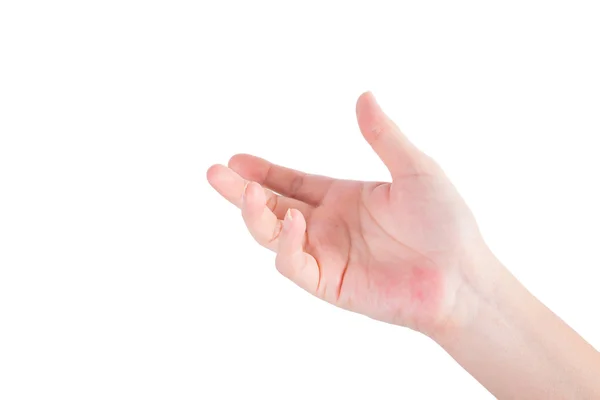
409	252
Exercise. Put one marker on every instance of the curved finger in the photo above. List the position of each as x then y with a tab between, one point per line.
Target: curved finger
289	182
260	220
231	186
292	261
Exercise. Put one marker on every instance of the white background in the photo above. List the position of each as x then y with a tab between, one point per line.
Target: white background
124	276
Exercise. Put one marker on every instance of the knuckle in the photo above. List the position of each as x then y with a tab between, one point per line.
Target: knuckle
280	265
296	184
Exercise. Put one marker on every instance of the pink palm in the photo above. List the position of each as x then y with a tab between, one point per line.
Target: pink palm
392	251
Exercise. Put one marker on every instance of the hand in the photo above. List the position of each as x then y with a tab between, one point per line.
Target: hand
398	252
409	252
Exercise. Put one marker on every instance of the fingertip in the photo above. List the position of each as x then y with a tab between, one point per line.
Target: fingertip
210	172
250	167
365	100
288	222
297	217
294	227
213	173
253	196
292	261
254	188
366	96
236	160
288	215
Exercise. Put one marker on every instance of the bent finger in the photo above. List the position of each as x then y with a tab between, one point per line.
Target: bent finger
231	186
292	261
260	220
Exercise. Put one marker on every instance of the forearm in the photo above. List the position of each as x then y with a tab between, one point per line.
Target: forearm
515	346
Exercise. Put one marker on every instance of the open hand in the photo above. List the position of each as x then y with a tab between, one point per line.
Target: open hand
398	252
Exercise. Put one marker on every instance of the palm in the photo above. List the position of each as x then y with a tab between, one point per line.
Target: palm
382	247
386	250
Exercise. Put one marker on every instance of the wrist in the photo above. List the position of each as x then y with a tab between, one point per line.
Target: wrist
511	343
480	285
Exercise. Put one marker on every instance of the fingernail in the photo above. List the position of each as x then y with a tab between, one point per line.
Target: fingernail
287	221
244	192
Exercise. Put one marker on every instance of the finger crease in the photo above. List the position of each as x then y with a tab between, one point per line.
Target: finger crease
296	185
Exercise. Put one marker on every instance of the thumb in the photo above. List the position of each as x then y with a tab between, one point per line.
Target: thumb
399	155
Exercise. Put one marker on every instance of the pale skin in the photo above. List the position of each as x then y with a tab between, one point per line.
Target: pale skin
408	252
